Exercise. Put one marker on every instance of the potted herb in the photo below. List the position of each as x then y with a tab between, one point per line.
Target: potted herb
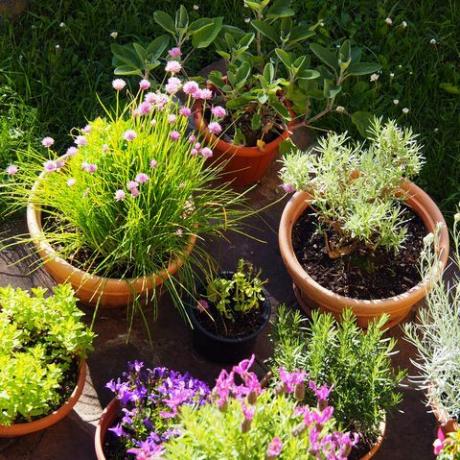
232	310
143	414
353	233
435	335
246	420
356	364
120	212
43	347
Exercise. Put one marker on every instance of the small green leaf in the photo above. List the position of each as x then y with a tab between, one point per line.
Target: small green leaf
127	69
326	56
363	68
280	9
216	78
284	56
269	72
242	74
345	54
256	122
362	121
203	37
308	74
299	34
165	20
280	108
265	29
450	88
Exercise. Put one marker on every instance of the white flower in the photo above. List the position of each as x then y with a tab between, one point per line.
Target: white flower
405	110
58	47
340	109
114	35
404	24
392	75
374	77
61	25
436	130
321	23
247	20
400	66
395	101
196	7
457	217
389	21
433	41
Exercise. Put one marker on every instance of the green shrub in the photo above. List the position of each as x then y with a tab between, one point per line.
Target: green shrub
42	342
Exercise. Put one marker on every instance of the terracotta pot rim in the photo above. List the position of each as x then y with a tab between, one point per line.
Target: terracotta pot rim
20	429
446	423
376	446
106	419
390	303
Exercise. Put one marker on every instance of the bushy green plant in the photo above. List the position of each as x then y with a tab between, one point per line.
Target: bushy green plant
356	188
42	342
355	363
436	332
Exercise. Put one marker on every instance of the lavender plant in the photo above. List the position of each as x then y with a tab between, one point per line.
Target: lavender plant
42	342
150	400
356	188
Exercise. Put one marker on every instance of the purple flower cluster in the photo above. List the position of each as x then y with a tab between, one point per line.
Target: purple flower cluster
150	400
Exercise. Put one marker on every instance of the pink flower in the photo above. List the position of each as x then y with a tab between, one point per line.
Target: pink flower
206	94
197	146
11	170
218	111
191	87
214	128
118	84
172	118
47	142
145	108
206	152
202	305
185	111
274	448
174	135
175	52
120	195
142	178
157	99
60	164
134	192
129	135
322	393
71	182
89	167
324	416
291	379
173	85
194	152
132	184
87	129
144	85
153	164
50	166
173	67
288	188
438	444
81	140
71	151
248	412
136	112
192	138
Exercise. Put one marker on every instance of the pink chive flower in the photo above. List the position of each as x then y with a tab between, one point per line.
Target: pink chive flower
60	164
197	146
71	182
215	128
144	85
132	184
118	84
185	111
71	151
202	305
89	167
173	67
174	135
120	195
129	135
206	94
218	111
194	152
47	142
11	170
288	188
145	108
274	448
50	166
136	112
172	118
81	140
192	138
175	52
134	192
153	164
206	152
190	87
87	129
142	178
173	85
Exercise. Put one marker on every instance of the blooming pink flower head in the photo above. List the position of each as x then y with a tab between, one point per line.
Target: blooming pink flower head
134	192
197	146
288	188
144	85
291	379
173	85
89	167
194	152
322	393
438	444
47	142
174	135
248	411
175	52
185	111
202	305
87	129
172	118
218	111
60	164
190	87
153	163
81	140
71	182
142	178
118	84
215	128
50	166
205	94
145	108
71	151
11	170
323	416
192	138
120	195
206	152
129	135
132	184
173	67
274	448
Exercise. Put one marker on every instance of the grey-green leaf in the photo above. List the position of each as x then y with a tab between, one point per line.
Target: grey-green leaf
165	20
325	55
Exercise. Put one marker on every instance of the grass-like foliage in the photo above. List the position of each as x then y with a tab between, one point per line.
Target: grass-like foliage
355	363
41	340
355	187
435	334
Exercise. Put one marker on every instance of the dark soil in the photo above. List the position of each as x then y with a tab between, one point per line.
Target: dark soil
362	274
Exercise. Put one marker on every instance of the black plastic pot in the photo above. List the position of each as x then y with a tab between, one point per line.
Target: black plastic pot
222	349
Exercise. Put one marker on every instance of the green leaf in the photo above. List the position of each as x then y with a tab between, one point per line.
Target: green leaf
281	109
203	37
216	78
256	122
141	51
246	40
284	56
280	9
126	54
299	34
345	54
165	20
326	56
362	68
157	47
181	18
330	89
242	74
269	72
362	121
265	29
356	54
450	88
127	69
308	74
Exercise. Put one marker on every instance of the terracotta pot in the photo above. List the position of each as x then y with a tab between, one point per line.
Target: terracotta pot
243	166
105	422
447	425
310	294
21	429
91	289
377	445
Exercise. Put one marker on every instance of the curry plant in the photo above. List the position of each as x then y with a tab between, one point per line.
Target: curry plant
355	188
42	342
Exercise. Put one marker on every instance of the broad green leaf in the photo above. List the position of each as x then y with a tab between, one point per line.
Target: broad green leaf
141	51
165	20
127	69
224	54
326	56
281	109
157	47
203	37
362	68
362	121
284	56
181	18
280	9
308	74
450	88
265	29
199	23
269	72
299	33
126	54
330	89
242	74
246	40
356	54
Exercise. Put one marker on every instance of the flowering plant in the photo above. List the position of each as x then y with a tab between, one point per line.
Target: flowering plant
150	400
447	447
133	191
246	420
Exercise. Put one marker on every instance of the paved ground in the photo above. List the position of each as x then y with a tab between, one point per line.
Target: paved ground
409	432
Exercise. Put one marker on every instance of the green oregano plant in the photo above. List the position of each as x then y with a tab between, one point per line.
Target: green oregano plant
42	343
355	188
355	363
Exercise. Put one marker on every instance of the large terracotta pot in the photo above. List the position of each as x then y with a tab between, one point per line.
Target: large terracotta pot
91	289
21	429
311	294
243	166
105	422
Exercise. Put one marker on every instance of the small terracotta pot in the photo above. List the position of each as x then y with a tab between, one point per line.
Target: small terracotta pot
377	445
91	289
310	294
243	166
21	429
105	422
